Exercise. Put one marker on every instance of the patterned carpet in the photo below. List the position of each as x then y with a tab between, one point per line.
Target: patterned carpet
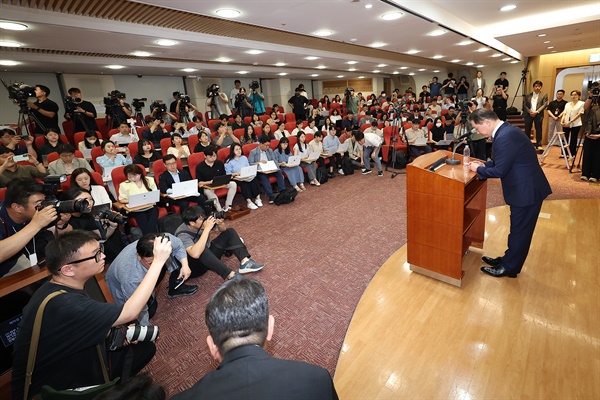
321	253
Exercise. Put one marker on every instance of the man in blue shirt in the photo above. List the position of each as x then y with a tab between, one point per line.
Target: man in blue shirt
434	87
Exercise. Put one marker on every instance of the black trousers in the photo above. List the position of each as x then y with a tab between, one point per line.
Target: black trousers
591	158
184	204
141	352
522	225
537	122
250	189
147	220
571	135
210	259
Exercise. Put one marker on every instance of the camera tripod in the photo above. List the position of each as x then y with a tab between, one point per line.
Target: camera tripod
138	115
398	134
25	117
76	116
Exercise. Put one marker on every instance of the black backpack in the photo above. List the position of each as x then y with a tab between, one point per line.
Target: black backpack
169	223
347	166
322	175
400	160
286	196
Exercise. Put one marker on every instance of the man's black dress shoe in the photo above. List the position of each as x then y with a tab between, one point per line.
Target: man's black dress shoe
498	272
494	262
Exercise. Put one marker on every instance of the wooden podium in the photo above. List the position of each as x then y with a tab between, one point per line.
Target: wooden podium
445	215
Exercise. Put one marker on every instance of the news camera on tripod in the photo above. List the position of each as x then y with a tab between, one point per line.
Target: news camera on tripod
81	112
117	110
43	113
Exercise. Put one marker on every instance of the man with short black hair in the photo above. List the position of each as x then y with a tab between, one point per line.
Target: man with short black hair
371	144
44	109
10	170
534	105
70	352
237	84
10	140
261	154
84	115
67	162
207	170
449	85
434	87
173	105
350	123
298	104
555	109
173	175
239	324
124	136
198	127
502	81
412	135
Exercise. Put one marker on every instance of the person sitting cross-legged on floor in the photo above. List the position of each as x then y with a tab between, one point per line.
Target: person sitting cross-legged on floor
261	155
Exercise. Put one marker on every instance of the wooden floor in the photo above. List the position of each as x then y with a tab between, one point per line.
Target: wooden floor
535	337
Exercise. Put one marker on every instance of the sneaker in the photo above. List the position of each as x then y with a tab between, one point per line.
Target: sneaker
380	173
252	206
366	171
584	178
228	208
258	202
183	290
271	199
341	171
593	180
250	266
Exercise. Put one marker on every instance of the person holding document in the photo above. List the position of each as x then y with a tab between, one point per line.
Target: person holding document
331	143
293	172
262	156
250	188
301	149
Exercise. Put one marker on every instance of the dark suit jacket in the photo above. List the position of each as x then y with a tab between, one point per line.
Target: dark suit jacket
165	180
516	164
249	372
542	103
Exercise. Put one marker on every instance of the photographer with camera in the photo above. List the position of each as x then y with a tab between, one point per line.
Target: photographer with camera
10	170
185	109
257	98
117	109
155	131
500	99
159	110
217	102
590	168
23	223
242	104
205	253
352	101
175	102
81	112
44	109
10	140
70	352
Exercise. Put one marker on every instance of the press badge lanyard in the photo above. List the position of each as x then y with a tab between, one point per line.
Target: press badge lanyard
32	256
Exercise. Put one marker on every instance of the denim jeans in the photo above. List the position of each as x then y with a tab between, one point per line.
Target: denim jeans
367	157
461	96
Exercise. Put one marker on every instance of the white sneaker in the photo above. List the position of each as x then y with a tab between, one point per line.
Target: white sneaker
252	206
341	172
226	209
258	202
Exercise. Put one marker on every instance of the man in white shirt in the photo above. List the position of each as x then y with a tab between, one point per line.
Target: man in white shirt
234	92
371	144
374	129
198	127
124	136
478	83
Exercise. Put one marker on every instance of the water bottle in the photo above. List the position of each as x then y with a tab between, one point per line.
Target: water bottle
466	155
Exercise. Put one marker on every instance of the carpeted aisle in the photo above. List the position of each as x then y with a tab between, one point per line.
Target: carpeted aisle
321	253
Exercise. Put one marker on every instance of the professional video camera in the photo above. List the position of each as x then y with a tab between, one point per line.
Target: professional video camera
212	91
138	103
19	92
254	85
348	91
239	98
464	108
594	89
71	104
162	107
184	98
113	99
211	210
112	217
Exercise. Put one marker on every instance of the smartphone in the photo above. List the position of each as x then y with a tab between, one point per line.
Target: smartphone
178	283
22	157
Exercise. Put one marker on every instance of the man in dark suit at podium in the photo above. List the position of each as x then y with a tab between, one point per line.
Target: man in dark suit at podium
523	183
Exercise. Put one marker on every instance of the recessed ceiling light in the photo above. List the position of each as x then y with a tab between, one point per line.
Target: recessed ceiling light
361	77
141	54
353	40
437	57
255	52
228	13
470	63
550	47
553	51
223	59
242	72
367	6
496	55
465	43
508	7
546	41
351	69
340	76
506	59
482	50
189	70
541	35
13	26
311	58
382	65
10	44
351	62
436	70
514	62
166	42
403	67
314	75
422	69
455	60
392	15
282	74
480	66
323	32
8	63
411	74
280	64
413	51
378	44
321	67
437	32
395	72
376	71
115	66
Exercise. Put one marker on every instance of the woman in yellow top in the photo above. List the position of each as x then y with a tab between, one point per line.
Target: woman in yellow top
136	183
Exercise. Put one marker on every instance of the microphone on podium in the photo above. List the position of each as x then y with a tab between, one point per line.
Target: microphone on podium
459	140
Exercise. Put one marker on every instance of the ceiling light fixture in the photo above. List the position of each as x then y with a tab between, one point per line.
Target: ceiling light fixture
422	69
470	63
311	58
395	72
514	62
496	55
351	69
376	71
255	52
480	66
482	50
8	63
340	76
411	74
382	65
437	32
282	74
541	35
546	41
314	75
455	60
438	57
413	51
115	66
378	44
367	6
465	43
550	47
323	33
280	64
506	59
189	70
403	67
223	59
361	77
321	67
392	16
166	42
436	70
13	26
351	62
242	72
10	44
508	7
141	54
228	13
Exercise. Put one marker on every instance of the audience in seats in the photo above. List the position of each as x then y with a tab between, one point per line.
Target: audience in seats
437	131
298	128
203	143
124	136
111	157
301	149
433	110
256	122
412	135
10	170
173	175
10	140
223	120
350	123
155	131
281	132
371	144
204	253
249	136
367	119
239	324
238	123
82	178
225	137
207	170
250	188
261	155
335	115
326	124
198	127
326	102
375	129
51	142
266	132
450	126
316	146
178	149
145	154
331	143
136	183
294	173
273	118
311	127
416	115
90	140
74	327
67	162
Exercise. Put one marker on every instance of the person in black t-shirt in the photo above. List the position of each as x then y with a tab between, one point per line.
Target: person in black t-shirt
45	110
121	113
449	85
554	110
462	89
298	104
85	110
502	81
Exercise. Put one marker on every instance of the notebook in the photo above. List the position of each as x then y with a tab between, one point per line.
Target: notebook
87	153
106	173
187	188
293	161
219	181
248	173
142	199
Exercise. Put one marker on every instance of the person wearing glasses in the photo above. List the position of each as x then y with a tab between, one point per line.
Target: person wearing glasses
70	353
173	175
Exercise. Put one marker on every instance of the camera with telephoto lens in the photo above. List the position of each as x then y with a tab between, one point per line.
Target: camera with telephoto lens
71	104
160	106
119	336
112	217
113	99
464	108
239	98
211	210
254	85
348	91
212	91
139	103
68	206
184	98
19	92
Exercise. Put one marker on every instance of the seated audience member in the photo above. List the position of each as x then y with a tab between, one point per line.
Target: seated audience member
424	94
433	110
67	162
273	118
416	115
437	132
205	253
129	269
335	115
256	122
261	155
198	127
298	128
124	136
223	120
74	327
207	170
239	324
249	136
225	137
367	119
266	132
106	230
111	157
173	175
23	233
371	144
449	125
447	103
250	188
311	127
326	102
326	124
178	149
82	178
350	123
301	149
10	170
181	129
281	132
412	135
355	151
479	99
10	140
155	131
90	140
330	146
203	142
51	142
137	183
294	173
316	146
238	123
145	154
